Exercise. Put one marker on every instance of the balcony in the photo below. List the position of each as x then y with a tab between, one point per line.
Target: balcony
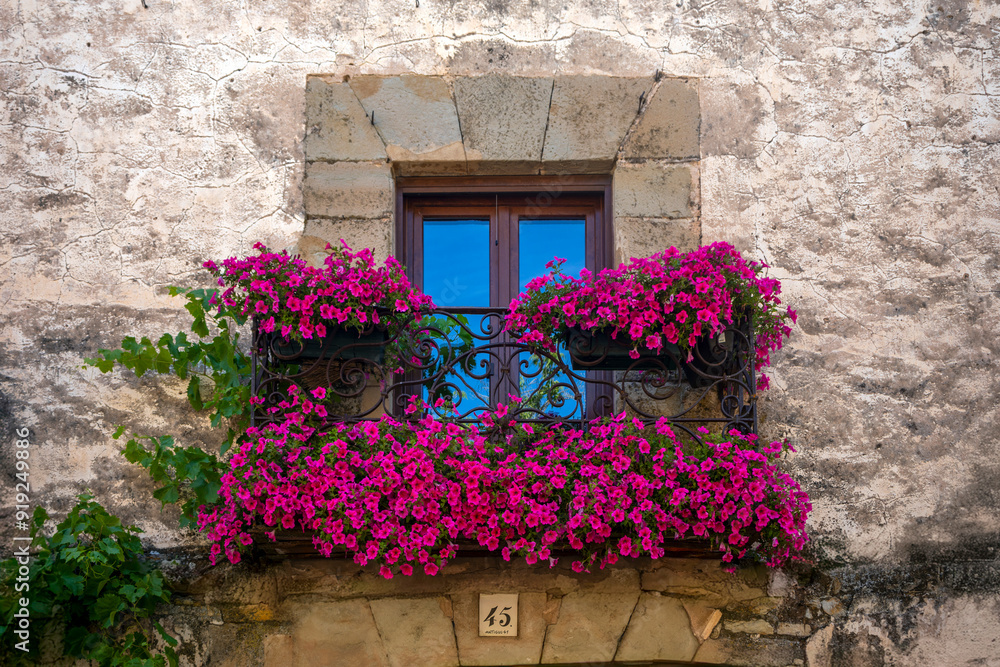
409	435
465	356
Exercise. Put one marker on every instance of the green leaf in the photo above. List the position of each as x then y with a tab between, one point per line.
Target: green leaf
75	638
167	494
163	361
171	641
38	517
74	583
228	442
194	392
104	365
106	609
130	592
199	326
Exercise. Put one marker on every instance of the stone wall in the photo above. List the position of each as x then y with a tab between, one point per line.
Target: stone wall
852	146
332	612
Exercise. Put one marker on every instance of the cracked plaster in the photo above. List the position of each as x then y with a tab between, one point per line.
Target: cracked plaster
852	146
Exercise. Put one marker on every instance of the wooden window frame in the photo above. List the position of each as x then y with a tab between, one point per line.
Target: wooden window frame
587	196
480	197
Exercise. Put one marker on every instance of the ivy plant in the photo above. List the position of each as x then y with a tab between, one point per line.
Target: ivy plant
216	371
90	578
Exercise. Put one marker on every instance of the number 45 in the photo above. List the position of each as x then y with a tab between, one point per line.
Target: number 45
503	617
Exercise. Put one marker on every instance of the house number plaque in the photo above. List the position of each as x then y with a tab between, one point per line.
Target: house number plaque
498	615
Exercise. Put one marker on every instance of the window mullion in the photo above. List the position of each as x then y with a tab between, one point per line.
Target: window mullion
500	277
506	243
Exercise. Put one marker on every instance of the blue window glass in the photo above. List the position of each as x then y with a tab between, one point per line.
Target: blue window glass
457	274
457	262
473	252
542	240
539	242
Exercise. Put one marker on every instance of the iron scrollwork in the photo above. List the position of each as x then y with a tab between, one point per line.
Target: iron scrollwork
464	355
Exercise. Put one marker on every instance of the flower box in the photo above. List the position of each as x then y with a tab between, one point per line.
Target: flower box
598	351
338	343
407	495
349	308
672	304
407	491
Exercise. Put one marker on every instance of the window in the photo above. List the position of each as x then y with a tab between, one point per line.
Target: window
473	244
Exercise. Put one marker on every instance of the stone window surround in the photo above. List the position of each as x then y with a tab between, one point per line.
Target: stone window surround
368	140
364	132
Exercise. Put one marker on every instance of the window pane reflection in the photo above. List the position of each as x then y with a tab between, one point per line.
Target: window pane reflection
457	262
544	388
456	274
542	240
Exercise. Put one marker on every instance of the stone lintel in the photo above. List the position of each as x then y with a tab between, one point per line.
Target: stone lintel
589	627
499	124
415	116
337	127
669	126
415	632
589	116
503	117
659	630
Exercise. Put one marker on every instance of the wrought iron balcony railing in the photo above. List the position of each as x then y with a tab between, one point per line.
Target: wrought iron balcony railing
465	356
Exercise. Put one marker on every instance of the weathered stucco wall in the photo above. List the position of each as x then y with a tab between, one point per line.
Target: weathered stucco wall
853	146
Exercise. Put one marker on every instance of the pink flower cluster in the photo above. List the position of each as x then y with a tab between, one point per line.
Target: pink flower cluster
664	302
401	494
300	301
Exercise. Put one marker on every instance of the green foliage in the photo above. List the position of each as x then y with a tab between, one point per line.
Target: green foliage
213	358
216	371
187	475
90	578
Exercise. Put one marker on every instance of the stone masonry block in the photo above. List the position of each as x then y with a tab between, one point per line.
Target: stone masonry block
653	189
703	619
525	649
714	651
658	630
279	651
237	587
670	124
335	633
336	125
794	629
414	115
818	653
453	165
589	627
415	632
374	234
641	237
755	626
503	118
759	652
589	116
703	579
348	190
